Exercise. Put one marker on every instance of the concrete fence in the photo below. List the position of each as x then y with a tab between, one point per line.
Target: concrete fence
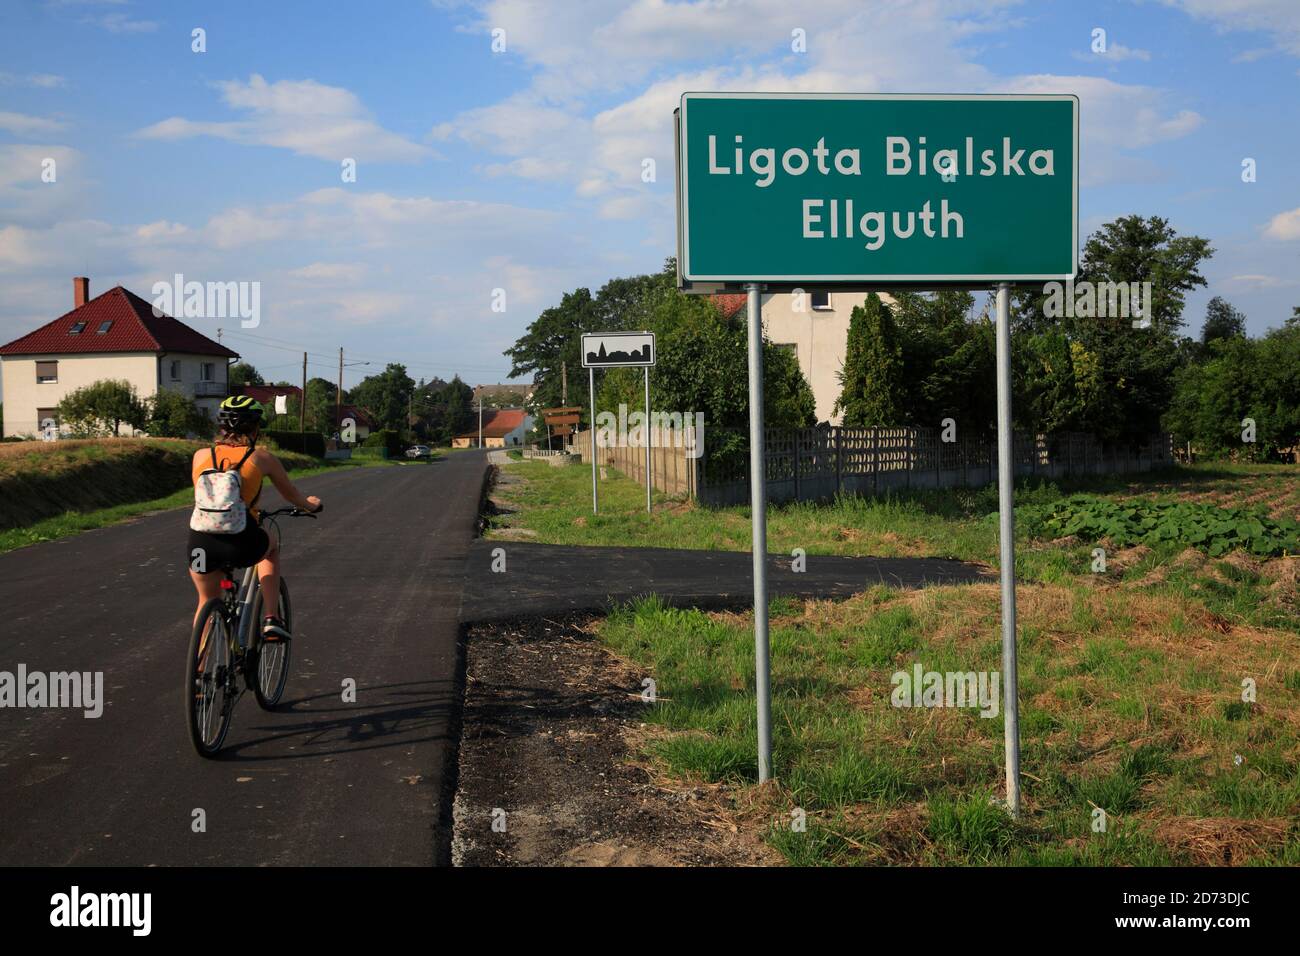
674	473
816	464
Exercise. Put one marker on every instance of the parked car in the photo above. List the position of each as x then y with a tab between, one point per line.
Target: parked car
419	451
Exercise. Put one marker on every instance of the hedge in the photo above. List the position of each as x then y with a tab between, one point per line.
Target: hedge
386	438
306	443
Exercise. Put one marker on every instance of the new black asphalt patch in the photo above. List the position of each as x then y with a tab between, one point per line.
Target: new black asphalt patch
540	579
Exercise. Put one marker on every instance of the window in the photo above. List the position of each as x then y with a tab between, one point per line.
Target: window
47	417
821	301
176	370
104	326
789	347
47	373
77	328
206	373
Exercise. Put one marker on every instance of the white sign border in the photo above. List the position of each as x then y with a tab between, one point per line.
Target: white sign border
840	278
654	349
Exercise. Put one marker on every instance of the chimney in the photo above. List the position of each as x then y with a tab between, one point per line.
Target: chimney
80	291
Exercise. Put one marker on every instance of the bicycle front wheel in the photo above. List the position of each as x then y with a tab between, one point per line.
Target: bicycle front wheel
272	670
210	689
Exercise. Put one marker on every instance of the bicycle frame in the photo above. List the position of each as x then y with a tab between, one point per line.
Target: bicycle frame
241	608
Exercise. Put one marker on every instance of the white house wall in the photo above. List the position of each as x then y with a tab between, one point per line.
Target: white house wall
819	337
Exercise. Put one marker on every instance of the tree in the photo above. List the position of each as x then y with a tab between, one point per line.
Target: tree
173	415
1222	321
948	360
102	408
321	404
387	396
871	382
554	340
242	373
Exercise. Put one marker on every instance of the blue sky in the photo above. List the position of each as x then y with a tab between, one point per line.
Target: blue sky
521	170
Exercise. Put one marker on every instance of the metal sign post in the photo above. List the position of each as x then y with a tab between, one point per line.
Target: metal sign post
1007	551
649	475
591	384
758	510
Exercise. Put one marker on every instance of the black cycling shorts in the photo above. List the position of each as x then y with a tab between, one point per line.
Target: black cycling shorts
227	550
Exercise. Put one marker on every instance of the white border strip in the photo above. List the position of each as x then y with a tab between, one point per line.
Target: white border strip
872	276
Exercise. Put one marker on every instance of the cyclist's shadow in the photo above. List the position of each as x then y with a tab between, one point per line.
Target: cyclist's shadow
348	728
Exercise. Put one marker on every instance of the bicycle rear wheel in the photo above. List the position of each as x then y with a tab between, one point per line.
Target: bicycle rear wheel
272	670
210	690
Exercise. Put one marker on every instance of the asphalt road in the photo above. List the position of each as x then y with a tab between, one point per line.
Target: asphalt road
375	584
542	579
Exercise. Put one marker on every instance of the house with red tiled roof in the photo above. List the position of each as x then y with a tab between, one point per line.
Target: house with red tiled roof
268	394
502	428
116	335
362	421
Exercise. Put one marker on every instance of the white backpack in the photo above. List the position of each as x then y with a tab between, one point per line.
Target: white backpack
218	500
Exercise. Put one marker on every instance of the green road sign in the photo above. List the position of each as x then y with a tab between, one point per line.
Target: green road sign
869	188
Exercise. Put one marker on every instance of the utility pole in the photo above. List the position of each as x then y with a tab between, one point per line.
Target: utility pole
302	402
564	384
480	419
338	398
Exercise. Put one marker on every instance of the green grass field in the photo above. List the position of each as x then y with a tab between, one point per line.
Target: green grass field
1131	680
62	488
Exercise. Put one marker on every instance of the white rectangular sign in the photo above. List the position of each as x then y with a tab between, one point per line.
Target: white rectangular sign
618	349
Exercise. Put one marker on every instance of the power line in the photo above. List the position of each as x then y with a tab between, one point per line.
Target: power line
270	343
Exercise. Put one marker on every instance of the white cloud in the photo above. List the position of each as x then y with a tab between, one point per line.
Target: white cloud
330	271
309	118
25	197
20	124
1256	281
1277	18
43	81
1284	226
580	53
121	23
1115	52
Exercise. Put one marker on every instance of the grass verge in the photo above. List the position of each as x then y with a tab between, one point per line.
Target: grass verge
1133	681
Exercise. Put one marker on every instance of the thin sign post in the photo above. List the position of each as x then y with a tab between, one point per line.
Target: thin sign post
591	386
758	509
1007	551
649	474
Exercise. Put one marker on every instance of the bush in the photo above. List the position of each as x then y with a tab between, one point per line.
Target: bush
388	439
1207	528
172	415
306	443
102	408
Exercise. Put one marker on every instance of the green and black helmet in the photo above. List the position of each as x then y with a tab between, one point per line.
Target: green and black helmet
241	414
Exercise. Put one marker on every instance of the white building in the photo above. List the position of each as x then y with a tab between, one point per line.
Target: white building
815	326
112	336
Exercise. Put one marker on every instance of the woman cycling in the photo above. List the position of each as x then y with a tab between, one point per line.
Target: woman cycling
241	418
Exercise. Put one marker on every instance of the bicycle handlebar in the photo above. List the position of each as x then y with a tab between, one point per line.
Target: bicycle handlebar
292	513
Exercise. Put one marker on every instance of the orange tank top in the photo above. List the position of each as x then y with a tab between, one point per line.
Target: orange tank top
227	456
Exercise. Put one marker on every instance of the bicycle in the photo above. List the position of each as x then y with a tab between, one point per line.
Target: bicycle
226	645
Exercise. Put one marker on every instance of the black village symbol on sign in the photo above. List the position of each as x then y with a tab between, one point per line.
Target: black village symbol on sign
625	349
